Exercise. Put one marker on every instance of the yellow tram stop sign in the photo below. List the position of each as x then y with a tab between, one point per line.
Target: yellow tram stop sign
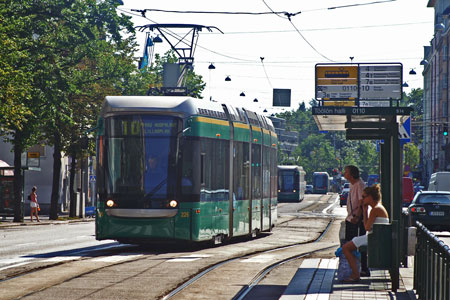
33	159
33	154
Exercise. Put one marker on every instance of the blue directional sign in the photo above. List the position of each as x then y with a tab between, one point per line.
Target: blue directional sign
404	131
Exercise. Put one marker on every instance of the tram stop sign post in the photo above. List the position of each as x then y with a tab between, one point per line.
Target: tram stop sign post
359	99
31	161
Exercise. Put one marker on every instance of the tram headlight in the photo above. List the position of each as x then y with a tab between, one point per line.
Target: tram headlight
110	203
173	203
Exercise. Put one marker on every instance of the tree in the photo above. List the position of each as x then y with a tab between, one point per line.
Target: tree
412	156
19	109
90	57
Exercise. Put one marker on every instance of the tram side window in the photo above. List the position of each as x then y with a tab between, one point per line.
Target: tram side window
215	160
256	171
241	170
266	172
273	173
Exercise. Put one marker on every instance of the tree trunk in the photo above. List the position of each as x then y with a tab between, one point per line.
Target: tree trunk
18	179
73	200
56	177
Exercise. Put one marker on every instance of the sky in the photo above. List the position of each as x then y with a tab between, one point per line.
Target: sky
369	31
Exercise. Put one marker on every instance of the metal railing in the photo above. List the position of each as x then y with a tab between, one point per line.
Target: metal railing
431	266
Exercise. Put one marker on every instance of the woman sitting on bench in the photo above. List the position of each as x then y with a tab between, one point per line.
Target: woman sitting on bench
378	215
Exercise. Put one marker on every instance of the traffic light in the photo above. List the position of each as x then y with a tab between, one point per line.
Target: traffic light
445	130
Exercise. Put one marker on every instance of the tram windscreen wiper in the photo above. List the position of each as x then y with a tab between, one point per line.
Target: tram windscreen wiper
149	195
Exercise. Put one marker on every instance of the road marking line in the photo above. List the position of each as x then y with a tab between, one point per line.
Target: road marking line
188	258
61	258
117	258
16	265
329	206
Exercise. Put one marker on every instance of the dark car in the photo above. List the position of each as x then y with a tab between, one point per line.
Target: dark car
343	198
432	209
309	189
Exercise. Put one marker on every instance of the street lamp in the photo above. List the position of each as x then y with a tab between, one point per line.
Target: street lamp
242	94
157	39
412	72
227	78
211	66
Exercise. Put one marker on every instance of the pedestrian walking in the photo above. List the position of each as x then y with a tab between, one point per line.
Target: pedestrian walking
34	205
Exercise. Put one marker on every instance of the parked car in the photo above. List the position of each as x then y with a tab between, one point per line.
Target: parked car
309	189
344	195
343	198
432	209
408	191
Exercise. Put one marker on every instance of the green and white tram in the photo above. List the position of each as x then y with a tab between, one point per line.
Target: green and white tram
179	168
291	183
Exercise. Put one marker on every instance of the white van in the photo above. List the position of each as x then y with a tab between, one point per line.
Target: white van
439	181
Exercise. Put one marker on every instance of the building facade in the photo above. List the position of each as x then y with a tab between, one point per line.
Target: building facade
436	96
42	177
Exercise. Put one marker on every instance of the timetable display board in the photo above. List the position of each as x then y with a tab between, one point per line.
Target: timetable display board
345	83
380	82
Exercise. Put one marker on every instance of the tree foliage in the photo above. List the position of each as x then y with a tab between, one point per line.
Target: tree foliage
58	60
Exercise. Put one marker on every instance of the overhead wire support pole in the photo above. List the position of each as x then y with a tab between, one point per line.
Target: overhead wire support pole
185	53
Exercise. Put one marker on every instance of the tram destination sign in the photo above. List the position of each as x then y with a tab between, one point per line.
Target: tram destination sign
360	81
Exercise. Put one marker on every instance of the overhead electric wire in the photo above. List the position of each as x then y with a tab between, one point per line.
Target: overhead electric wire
212	12
278	13
288	17
295	28
328	28
182	41
360	4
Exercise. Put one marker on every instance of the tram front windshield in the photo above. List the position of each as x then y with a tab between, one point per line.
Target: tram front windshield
140	165
320	180
287	181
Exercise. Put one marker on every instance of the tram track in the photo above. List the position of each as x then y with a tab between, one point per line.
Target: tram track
261	274
154	263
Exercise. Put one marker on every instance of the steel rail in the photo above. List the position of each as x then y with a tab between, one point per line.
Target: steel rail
261	274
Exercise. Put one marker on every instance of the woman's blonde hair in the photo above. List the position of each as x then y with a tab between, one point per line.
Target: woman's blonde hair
374	191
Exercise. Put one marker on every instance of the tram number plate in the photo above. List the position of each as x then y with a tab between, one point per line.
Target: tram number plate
437	213
185	214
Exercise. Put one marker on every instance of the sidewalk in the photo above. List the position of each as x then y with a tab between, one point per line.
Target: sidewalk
316	279
44	220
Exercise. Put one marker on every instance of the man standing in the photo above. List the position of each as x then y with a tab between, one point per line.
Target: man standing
353	222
